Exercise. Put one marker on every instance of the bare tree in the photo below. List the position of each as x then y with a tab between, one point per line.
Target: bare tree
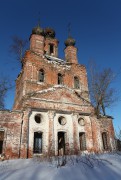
18	47
4	86
103	95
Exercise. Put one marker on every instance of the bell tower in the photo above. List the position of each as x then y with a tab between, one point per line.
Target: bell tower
70	50
37	40
51	43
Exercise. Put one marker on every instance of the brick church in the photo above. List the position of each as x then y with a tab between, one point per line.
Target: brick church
52	112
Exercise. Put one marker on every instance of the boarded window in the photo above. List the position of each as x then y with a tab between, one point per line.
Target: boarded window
104	140
76	83
82	140
41	75
37	142
60	79
1	141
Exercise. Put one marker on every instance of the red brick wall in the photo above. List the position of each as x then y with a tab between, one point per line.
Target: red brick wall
99	126
27	82
10	122
71	54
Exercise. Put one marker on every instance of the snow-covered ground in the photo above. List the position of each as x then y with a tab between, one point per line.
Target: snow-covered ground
101	167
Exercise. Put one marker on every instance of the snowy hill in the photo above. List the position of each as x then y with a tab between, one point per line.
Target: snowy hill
101	167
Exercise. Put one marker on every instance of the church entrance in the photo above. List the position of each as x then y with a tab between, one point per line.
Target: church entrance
1	141
37	142
61	143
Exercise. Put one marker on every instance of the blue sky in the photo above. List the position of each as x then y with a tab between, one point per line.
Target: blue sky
95	25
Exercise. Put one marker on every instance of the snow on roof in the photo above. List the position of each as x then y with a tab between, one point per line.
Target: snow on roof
57	61
52	58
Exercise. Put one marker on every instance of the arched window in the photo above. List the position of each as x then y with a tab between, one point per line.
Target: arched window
82	140
76	83
60	79
104	140
41	75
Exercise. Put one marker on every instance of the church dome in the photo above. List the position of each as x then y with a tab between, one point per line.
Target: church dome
70	42
38	30
49	32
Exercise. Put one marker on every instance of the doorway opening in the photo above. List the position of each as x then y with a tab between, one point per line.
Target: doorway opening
82	140
105	142
61	143
37	142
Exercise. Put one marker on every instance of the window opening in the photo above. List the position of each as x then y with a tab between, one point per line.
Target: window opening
81	122
76	83
1	141
38	118
62	120
104	139
37	142
51	49
41	75
60	79
82	139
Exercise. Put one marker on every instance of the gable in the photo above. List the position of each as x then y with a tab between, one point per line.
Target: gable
60	94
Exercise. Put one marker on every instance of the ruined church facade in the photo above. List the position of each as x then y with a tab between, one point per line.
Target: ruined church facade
52	112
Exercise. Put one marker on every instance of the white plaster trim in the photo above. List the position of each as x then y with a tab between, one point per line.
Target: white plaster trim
54	88
60	102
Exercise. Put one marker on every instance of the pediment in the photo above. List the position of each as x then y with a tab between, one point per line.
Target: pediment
60	94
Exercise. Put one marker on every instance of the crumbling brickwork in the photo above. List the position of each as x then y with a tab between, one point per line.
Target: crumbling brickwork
10	124
52	112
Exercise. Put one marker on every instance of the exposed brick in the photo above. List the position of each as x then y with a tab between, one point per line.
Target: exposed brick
51	101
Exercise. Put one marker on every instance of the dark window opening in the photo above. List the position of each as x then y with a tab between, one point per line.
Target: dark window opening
51	49
62	120
1	147
76	83
60	79
41	75
82	140
38	118
104	139
61	143
37	142
1	141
